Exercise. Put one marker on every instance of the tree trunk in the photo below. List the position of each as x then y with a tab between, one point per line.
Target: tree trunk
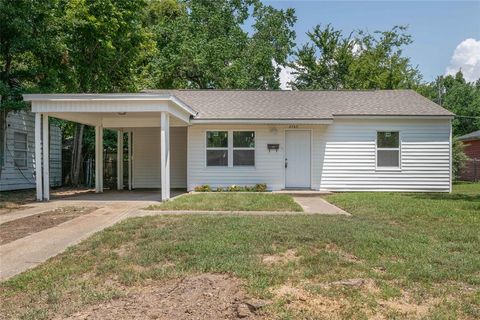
77	156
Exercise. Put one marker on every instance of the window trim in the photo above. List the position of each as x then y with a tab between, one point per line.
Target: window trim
207	148
20	150
399	149
230	148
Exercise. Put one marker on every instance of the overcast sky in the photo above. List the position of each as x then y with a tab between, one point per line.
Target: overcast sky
446	34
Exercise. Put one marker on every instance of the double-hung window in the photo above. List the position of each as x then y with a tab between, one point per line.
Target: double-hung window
388	149
243	148
230	148
20	149
217	148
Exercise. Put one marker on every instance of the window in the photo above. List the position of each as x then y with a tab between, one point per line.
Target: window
217	148
20	149
239	146
388	149
243	148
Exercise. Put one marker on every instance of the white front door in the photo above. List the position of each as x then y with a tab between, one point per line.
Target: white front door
297	158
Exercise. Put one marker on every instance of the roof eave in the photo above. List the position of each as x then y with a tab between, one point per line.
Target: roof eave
396	116
262	121
110	97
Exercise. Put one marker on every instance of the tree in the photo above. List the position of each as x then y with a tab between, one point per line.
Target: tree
202	44
108	48
360	60
31	53
458	96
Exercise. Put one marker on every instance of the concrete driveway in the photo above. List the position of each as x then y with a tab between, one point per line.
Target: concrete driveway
27	252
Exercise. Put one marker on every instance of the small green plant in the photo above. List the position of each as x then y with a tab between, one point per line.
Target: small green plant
203	188
220	189
261	187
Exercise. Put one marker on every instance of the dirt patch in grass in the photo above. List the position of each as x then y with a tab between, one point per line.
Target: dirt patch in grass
17	199
284	257
329	303
333	248
19	228
205	296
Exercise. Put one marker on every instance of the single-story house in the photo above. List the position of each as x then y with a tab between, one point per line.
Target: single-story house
17	160
471	142
375	140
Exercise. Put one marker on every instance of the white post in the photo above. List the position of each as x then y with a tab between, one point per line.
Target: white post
38	155
98	159
46	159
120	159
130	182
165	156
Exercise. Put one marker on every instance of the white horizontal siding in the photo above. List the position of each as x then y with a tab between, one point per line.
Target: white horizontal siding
343	157
146	157
13	178
349	162
269	166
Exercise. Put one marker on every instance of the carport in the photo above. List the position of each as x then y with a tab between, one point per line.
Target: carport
120	112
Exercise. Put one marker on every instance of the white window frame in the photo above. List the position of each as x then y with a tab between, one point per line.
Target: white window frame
15	149
245	148
399	149
207	148
230	148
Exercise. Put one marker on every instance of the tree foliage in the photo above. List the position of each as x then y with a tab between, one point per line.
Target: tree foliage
360	60
458	96
203	44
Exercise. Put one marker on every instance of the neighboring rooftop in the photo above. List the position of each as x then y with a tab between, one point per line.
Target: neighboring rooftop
256	104
475	135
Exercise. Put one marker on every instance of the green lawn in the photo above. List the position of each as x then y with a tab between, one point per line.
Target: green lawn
418	255
231	202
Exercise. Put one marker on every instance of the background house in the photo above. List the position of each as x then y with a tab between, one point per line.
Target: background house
18	153
471	142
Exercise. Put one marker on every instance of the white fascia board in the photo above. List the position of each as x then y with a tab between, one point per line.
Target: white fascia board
98	98
87	119
446	117
261	121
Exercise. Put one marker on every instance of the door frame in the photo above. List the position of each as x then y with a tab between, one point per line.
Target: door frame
285	154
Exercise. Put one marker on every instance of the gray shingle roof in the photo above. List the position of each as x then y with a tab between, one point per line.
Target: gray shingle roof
475	135
256	104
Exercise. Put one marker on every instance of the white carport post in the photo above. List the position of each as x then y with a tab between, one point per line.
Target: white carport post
120	159
38	155
98	159
165	155
46	159
130	181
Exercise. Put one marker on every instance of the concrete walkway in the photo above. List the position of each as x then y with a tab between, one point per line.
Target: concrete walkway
318	205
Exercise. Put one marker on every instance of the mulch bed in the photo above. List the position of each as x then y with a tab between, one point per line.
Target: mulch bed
19	228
